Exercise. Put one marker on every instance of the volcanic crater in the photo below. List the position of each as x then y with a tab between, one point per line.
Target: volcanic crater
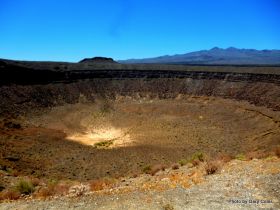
91	120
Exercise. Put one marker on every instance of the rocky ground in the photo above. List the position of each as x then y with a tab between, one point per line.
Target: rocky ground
88	141
144	153
239	185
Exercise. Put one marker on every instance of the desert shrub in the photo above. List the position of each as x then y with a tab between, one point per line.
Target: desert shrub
198	156
212	167
175	166
9	194
240	157
146	169
25	187
183	162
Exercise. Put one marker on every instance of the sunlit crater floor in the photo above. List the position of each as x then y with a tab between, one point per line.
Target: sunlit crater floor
85	141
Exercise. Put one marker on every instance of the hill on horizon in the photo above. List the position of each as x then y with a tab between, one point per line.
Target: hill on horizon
220	56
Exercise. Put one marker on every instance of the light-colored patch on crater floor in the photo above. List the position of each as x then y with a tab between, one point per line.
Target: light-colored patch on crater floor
103	137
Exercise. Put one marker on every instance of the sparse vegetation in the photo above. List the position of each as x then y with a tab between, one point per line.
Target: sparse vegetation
44	192
104	143
198	156
240	157
168	207
147	169
157	135
256	155
53	188
183	162
25	187
9	194
62	189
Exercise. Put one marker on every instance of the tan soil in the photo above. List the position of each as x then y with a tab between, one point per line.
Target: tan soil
60	143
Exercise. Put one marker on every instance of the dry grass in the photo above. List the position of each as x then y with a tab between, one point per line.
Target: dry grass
240	157
44	192
61	189
52	189
25	187
9	194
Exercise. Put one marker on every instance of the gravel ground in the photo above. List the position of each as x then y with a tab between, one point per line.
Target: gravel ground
237	186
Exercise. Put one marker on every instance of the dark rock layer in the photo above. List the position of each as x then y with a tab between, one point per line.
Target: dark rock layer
23	89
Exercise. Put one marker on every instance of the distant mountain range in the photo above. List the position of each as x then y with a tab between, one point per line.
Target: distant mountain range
228	56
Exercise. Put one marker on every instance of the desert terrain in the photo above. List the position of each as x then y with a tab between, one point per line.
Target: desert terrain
123	132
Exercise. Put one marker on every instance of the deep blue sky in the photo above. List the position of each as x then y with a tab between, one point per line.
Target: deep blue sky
69	30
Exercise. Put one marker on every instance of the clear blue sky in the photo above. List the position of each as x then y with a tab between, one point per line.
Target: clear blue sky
69	30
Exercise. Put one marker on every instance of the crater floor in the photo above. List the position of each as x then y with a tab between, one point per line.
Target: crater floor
86	141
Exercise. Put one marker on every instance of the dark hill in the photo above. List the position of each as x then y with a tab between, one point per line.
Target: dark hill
98	60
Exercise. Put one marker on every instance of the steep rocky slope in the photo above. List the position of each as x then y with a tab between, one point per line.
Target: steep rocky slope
38	84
